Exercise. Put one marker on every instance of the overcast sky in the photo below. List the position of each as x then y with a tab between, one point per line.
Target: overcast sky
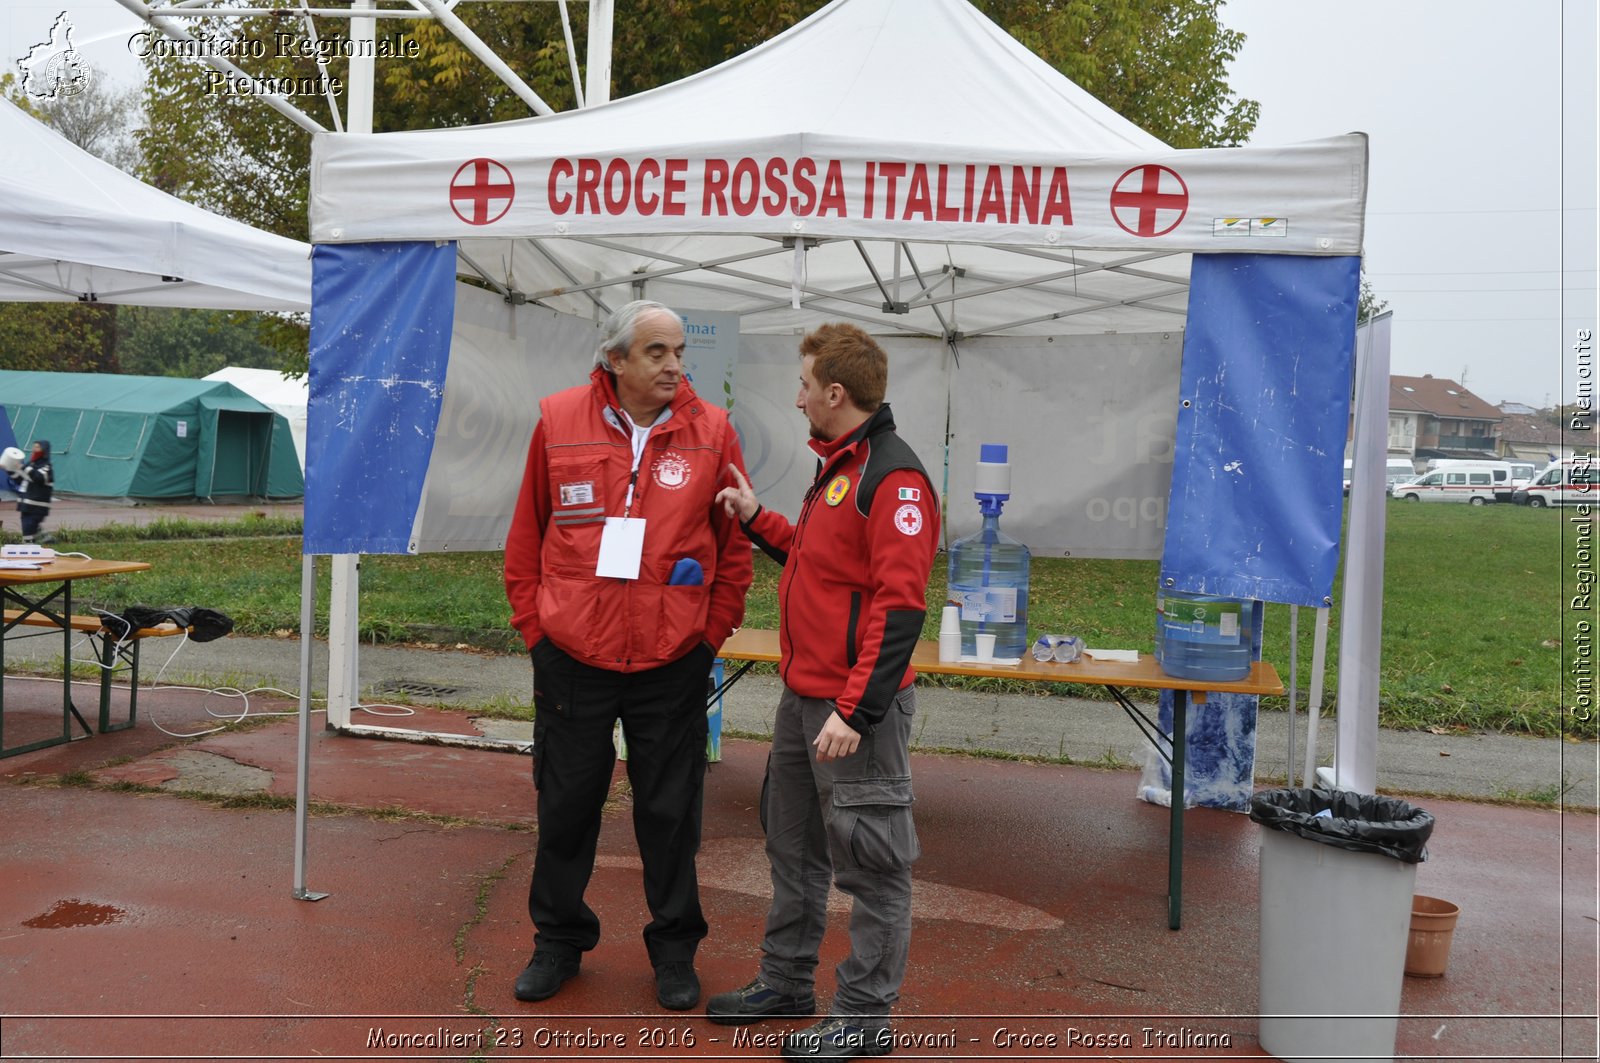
1481	212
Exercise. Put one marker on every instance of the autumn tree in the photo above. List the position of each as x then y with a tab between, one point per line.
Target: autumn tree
1160	63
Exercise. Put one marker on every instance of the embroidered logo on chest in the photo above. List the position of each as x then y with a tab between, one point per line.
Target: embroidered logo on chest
838	487
670	470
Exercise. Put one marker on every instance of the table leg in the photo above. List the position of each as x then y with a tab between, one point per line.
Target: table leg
1180	714
69	711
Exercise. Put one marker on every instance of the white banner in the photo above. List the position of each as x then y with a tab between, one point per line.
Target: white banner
489	183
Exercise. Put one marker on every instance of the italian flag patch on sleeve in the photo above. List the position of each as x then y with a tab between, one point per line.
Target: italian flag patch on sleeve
910	494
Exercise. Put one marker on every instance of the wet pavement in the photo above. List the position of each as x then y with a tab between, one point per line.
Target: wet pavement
148	907
146	912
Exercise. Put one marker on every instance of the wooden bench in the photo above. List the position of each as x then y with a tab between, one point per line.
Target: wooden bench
112	646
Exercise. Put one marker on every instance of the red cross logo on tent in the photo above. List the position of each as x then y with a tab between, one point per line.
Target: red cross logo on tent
1149	200
478	187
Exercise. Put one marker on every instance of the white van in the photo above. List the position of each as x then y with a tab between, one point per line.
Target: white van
1398	471
1395	471
1564	483
1501	473
1456	483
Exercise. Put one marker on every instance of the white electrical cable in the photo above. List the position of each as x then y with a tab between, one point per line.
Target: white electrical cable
229	718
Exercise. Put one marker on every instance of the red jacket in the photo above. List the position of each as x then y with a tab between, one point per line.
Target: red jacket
579	465
855	571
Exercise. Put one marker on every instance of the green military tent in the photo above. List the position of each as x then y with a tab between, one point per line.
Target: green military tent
154	437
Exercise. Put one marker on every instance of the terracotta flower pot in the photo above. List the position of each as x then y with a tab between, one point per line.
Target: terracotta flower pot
1433	923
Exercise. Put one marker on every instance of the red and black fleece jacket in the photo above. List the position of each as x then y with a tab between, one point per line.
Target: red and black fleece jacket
853	593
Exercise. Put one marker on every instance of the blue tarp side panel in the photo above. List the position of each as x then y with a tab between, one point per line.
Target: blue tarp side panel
1258	464
381	317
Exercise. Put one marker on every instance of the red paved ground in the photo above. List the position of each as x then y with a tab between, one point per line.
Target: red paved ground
141	923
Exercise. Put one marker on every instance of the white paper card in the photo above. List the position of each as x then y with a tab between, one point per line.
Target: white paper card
1126	656
621	547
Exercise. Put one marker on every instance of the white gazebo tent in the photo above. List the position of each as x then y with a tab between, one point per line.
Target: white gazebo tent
76	229
900	163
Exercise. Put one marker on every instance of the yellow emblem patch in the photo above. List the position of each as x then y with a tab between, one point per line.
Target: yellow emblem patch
837	489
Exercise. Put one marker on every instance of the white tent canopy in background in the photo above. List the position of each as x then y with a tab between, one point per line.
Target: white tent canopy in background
271	388
76	229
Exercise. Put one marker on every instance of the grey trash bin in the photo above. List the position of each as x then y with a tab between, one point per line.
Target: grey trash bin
1338	871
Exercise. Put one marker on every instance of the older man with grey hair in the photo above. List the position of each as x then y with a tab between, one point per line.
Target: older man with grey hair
624	578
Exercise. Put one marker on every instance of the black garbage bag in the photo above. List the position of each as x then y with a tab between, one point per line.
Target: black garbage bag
1361	823
204	624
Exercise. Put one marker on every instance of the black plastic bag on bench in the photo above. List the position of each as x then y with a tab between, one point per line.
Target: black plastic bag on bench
203	624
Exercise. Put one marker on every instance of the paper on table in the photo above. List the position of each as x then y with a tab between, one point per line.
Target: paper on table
1004	662
10	563
1130	656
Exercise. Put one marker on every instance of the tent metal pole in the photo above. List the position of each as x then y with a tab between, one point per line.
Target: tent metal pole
1294	685
1361	622
572	56
344	594
601	16
1310	776
302	790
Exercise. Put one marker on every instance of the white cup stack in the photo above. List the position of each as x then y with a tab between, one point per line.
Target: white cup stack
950	635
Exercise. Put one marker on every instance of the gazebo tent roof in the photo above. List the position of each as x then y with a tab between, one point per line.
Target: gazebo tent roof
74	228
939	177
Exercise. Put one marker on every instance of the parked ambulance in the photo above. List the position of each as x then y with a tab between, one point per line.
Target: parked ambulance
1567	482
1455	483
1503	473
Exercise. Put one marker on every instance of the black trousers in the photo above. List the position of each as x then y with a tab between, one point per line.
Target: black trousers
32	518
663	714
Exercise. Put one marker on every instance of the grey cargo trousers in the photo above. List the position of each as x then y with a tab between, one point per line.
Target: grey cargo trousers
846	821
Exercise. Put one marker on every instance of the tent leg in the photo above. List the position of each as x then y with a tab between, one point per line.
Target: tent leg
1319	663
1294	684
344	637
1355	761
302	791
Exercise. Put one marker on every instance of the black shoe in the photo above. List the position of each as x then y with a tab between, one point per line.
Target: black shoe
677	986
544	975
754	1002
836	1038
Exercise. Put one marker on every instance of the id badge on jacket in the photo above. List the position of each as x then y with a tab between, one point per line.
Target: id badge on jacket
621	548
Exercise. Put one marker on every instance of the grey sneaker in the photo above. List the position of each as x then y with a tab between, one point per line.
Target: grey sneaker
837	1038
757	1001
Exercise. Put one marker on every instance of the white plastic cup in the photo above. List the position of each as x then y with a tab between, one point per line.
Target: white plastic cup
949	646
985	647
950	620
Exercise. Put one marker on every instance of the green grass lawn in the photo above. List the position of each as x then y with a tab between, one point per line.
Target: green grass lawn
1473	625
